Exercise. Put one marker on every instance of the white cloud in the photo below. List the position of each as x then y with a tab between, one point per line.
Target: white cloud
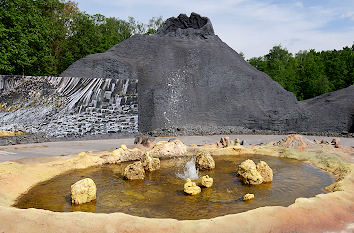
349	15
252	27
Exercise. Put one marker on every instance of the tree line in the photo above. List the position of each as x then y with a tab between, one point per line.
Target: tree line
308	73
44	37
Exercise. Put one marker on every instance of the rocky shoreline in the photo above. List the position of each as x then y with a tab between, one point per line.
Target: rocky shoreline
41	137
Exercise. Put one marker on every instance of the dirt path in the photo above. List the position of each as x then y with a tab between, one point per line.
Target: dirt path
62	148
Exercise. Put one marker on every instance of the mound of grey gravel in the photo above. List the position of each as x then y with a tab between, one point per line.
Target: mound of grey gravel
189	79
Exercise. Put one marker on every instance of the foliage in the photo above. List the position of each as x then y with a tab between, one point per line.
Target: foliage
44	37
308	73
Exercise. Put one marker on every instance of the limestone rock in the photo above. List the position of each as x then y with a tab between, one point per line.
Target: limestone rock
323	141
265	171
149	163
191	188
122	154
144	140
225	142
237	142
295	141
248	196
207	181
134	171
248	173
204	161
169	149
336	142
83	191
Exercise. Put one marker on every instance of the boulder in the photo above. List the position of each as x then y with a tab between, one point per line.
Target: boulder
225	142
144	140
207	181
336	142
237	142
169	149
248	173
265	171
295	141
324	141
191	188
134	171
204	161
83	191
248	196
149	163
122	154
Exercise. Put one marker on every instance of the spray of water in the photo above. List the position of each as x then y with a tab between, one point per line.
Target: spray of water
189	171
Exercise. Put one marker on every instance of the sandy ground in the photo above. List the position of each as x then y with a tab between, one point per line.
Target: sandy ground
14	152
330	212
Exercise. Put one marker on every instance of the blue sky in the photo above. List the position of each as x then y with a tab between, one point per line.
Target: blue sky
251	26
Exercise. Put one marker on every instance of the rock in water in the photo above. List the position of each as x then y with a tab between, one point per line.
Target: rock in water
149	163
207	181
248	173
248	196
83	191
204	161
265	171
191	188
134	171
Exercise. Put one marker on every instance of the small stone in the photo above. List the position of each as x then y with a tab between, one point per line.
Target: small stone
323	141
149	163
204	161
191	188
124	147
82	154
336	142
265	171
243	142
248	173
225	142
237	142
207	181
248	196
134	171
83	191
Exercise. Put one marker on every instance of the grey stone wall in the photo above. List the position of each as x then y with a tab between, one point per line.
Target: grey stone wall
68	106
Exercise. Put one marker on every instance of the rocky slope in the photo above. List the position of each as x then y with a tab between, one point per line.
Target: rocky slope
189	78
185	80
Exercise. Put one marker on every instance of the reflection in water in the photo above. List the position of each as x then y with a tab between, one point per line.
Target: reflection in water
161	193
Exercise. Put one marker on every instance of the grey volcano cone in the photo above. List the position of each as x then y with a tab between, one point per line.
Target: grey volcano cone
189	78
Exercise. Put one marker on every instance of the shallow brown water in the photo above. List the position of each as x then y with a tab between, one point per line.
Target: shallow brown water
161	195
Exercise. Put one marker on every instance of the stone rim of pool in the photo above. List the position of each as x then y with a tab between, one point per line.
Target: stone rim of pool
324	212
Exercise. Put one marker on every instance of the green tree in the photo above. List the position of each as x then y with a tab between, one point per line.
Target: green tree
308	73
43	37
26	36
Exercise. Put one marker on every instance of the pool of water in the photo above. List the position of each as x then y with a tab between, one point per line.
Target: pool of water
160	194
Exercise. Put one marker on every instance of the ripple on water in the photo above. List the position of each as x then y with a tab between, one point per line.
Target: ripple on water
161	195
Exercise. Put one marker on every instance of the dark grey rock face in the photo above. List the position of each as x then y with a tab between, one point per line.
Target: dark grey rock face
67	106
190	79
331	112
191	27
